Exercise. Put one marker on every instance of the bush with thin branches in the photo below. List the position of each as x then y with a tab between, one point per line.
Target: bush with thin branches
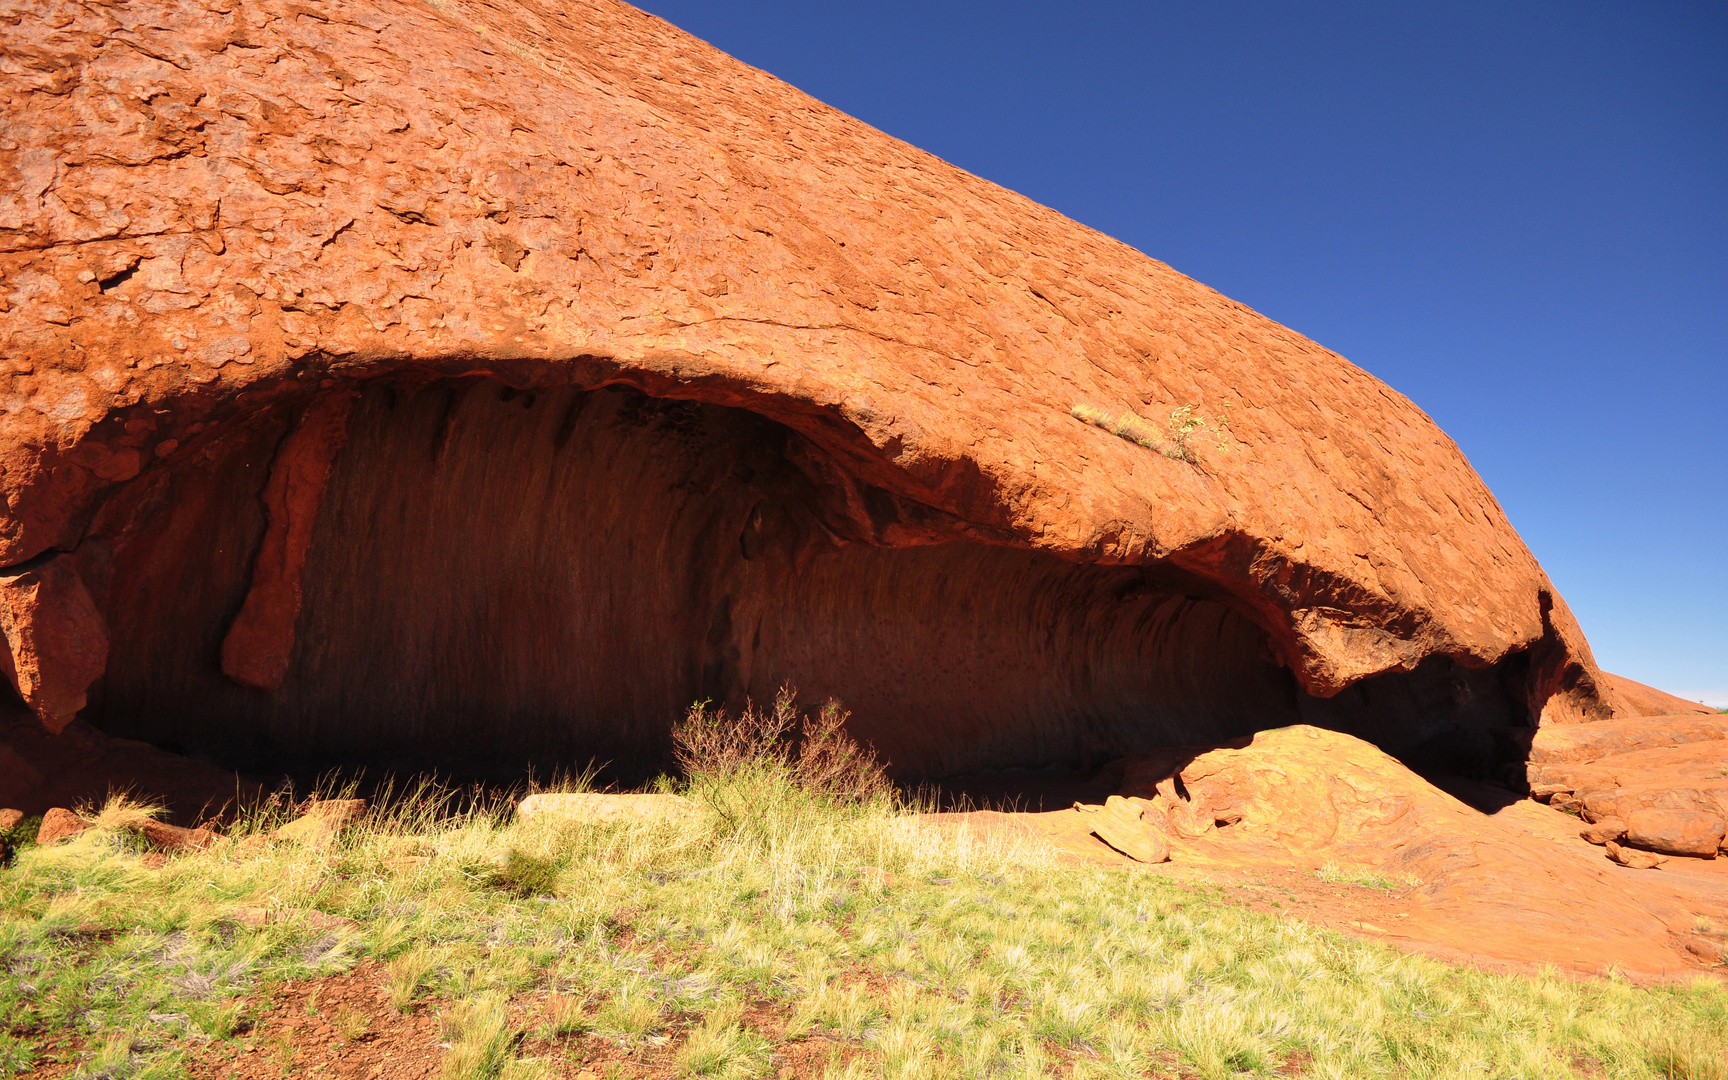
814	752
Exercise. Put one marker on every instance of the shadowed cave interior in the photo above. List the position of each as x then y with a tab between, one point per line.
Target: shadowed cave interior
500	579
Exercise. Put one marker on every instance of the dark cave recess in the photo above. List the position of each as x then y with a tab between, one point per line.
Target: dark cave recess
495	577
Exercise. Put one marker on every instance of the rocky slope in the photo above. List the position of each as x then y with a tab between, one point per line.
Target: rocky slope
384	380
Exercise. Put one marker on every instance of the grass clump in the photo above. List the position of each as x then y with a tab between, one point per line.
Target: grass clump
12	841
480	1037
794	912
525	874
1173	440
1337	875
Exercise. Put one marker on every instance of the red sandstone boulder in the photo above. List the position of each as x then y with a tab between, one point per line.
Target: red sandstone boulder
222	227
321	821
59	824
1601	832
1656	792
1632	857
10	818
1120	824
174	838
1675	832
55	642
1508	879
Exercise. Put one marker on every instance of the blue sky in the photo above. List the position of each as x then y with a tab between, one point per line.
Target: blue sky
1515	214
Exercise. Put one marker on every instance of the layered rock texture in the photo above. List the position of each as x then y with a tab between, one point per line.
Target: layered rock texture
1464	872
388	381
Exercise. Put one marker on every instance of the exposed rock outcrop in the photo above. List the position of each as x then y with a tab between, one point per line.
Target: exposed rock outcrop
60	824
1508	878
1662	781
391	381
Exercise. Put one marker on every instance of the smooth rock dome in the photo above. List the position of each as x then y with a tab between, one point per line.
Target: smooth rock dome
460	382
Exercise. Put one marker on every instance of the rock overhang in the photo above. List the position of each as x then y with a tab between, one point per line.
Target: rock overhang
222	216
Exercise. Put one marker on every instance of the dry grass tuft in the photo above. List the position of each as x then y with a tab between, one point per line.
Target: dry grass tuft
1174	440
121	813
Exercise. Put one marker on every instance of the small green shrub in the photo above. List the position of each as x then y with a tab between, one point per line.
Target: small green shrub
16	839
814	753
23	834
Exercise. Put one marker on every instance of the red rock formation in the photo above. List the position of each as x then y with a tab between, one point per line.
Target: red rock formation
1512	880
1640	700
55	643
668	381
256	651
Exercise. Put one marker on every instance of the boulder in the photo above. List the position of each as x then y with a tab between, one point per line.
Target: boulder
320	821
657	327
168	837
9	819
570	806
1186	820
1675	832
53	640
1600	832
1119	824
1637	860
1707	949
59	824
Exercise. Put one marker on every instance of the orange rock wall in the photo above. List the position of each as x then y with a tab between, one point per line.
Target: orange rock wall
497	576
565	572
211	214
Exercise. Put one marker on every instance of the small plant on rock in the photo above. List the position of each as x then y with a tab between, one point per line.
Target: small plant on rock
1186	422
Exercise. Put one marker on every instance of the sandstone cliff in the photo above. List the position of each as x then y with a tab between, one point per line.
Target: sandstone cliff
381	378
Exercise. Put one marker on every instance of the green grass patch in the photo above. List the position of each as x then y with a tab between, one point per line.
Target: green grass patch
772	914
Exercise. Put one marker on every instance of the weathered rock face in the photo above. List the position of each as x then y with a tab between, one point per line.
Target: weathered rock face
384	380
1509	878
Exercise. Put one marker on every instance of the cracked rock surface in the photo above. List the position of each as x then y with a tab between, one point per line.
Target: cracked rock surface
248	248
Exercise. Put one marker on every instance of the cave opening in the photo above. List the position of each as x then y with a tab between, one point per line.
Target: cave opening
464	576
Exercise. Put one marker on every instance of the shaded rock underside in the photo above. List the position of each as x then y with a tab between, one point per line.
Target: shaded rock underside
460	574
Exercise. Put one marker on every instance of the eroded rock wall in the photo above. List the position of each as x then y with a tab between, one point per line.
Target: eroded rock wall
215	216
560	573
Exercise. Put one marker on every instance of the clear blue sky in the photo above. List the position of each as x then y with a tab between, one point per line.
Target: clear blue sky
1516	214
